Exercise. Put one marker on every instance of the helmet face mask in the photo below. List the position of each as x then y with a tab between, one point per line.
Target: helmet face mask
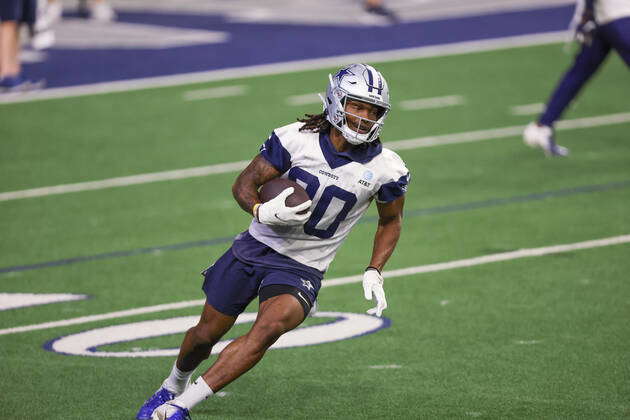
357	83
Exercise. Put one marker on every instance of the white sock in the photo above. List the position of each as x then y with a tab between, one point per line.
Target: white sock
178	380
196	392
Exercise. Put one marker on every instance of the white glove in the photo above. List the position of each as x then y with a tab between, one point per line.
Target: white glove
373	283
276	212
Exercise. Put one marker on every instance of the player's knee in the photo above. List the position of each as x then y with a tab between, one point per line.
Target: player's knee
205	334
265	333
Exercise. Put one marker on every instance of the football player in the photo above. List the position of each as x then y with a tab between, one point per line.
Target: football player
338	157
600	25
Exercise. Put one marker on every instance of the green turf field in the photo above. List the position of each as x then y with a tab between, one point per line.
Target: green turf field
540	337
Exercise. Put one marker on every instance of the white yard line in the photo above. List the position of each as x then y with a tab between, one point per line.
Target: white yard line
431	103
457	48
498	133
221	168
306	99
214	93
430	268
20	300
485	259
124	181
529	109
101	317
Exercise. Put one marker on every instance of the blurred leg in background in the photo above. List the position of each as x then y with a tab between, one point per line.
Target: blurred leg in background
377	7
13	13
48	13
598	35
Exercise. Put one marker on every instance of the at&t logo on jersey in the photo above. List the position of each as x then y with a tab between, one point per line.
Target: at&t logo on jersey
367	176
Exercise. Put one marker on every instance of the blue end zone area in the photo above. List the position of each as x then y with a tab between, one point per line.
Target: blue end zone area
250	44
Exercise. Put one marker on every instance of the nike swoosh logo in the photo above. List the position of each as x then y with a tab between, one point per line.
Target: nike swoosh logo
303	298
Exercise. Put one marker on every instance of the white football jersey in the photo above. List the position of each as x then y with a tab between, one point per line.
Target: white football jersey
609	10
340	184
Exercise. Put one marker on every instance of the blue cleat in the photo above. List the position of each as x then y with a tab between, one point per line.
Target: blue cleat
161	396
170	411
18	83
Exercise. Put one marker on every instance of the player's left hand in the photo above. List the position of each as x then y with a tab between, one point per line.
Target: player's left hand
373	284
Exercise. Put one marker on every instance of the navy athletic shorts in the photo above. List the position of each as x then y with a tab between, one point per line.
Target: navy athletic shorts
18	10
231	284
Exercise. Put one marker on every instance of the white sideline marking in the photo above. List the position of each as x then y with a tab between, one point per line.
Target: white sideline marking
213	93
457	48
430	268
529	109
221	168
82	34
431	103
306	99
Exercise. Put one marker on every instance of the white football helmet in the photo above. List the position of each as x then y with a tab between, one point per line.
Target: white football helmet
363	83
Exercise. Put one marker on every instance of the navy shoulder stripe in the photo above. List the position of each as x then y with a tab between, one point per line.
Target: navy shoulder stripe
392	190
275	153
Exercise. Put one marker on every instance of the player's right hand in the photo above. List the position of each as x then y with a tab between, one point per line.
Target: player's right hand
276	212
585	28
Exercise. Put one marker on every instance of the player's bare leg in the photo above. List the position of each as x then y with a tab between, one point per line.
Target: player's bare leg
276	316
198	342
9	49
195	348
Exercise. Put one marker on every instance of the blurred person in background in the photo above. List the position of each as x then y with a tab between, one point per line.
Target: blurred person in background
599	26
14	13
377	7
51	11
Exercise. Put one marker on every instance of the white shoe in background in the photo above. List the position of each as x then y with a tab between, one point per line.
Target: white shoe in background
102	12
48	15
43	39
542	136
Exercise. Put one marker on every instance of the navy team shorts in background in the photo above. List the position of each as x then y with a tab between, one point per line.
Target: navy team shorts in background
230	284
18	10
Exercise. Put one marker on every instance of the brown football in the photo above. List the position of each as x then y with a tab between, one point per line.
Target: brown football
272	188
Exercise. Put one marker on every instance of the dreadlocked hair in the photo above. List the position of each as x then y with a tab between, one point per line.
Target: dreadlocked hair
316	123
